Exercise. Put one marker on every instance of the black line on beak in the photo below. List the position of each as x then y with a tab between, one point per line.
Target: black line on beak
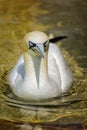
56	39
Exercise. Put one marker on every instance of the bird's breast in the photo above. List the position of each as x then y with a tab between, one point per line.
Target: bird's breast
36	71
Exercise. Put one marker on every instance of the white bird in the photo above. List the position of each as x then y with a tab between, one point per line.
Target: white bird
41	72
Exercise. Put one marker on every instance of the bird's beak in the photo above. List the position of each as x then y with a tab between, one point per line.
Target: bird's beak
40	50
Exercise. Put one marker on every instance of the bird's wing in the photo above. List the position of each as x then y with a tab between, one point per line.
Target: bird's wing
65	73
17	72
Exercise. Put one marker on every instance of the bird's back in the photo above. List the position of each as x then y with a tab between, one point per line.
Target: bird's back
59	71
53	69
17	73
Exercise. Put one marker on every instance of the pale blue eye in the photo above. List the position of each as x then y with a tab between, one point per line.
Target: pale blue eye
45	43
31	44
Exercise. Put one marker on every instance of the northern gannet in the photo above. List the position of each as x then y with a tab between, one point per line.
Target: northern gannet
41	72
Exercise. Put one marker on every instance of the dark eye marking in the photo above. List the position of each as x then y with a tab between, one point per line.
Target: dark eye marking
31	44
45	43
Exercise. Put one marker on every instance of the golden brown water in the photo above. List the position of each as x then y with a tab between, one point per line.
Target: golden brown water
17	17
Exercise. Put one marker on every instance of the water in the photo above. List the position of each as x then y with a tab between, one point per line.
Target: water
67	18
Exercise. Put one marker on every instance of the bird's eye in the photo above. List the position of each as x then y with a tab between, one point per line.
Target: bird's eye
45	43
31	44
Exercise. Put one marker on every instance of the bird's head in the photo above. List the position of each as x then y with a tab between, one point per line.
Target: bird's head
37	42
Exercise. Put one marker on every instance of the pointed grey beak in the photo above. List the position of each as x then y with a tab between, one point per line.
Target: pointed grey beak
40	51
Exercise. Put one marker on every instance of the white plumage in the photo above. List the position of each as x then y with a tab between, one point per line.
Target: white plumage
41	72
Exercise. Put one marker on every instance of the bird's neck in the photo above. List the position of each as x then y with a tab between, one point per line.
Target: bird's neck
36	68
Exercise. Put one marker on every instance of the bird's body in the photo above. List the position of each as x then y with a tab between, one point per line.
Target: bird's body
34	77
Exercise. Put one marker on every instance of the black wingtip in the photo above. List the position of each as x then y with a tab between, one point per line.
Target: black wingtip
56	39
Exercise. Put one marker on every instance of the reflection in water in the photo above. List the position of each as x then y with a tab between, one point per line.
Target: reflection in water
30	127
67	19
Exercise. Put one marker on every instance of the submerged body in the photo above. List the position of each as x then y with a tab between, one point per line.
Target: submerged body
34	77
